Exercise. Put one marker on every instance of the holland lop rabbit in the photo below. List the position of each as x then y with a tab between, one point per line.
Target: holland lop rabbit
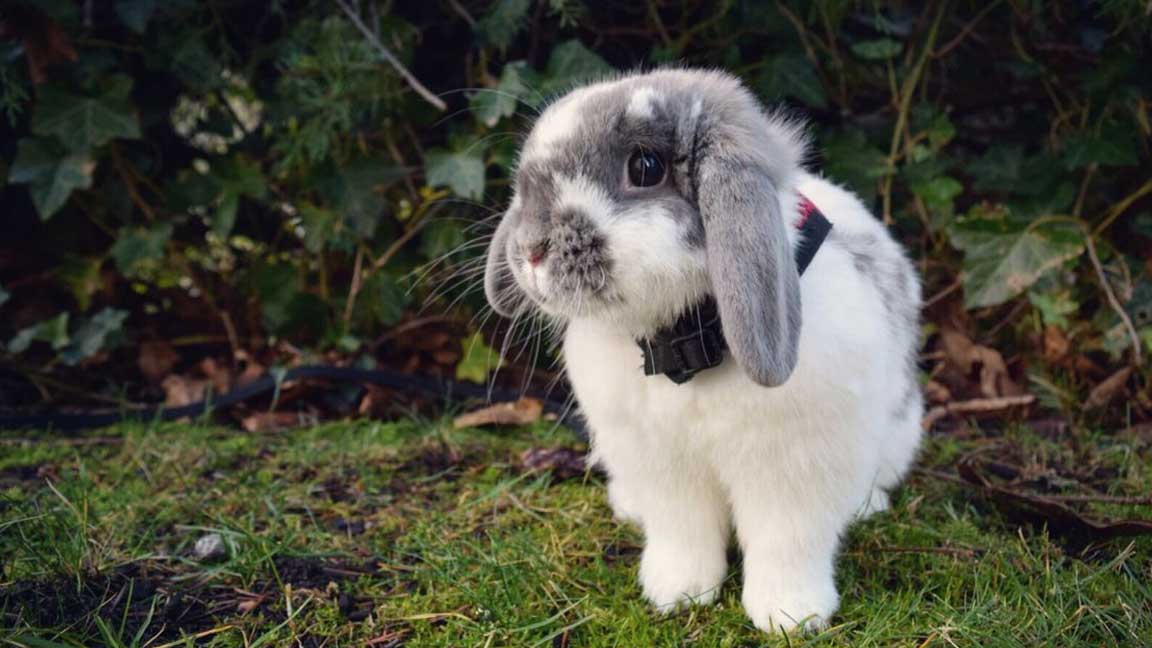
637	199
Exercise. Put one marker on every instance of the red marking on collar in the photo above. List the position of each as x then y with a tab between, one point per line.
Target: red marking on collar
805	207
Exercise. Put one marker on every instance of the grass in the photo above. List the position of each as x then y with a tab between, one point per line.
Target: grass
408	533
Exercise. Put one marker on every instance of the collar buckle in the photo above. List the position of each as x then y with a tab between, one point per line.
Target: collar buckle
695	342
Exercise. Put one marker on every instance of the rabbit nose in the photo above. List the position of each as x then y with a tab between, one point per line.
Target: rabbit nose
536	252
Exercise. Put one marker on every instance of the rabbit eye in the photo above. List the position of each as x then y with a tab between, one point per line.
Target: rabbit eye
645	169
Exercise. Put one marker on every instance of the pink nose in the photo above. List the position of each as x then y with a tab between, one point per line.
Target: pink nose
536	253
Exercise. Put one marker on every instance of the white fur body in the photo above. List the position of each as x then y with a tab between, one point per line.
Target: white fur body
787	468
815	412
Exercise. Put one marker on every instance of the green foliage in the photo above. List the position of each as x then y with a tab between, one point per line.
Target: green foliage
479	359
462	171
1004	257
84	122
256	160
51	173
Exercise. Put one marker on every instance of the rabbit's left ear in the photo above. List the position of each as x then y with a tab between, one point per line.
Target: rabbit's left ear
750	260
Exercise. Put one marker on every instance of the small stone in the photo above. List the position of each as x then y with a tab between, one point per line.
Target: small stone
209	547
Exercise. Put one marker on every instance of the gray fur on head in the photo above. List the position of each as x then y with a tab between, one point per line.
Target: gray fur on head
726	160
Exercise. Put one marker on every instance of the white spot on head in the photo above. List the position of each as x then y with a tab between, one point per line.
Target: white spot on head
640	104
560	121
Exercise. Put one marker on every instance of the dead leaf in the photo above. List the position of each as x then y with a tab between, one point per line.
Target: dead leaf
252	371
564	463
1108	389
221	377
182	390
978	362
156	359
521	412
446	356
1056	344
936	392
269	421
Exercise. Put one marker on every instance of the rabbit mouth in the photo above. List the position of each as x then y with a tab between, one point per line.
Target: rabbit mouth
563	291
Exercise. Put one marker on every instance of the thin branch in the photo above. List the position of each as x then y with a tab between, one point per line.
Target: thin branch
967	29
904	107
1112	301
388	56
354	289
1124	204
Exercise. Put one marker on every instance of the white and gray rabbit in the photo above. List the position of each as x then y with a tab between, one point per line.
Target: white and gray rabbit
634	200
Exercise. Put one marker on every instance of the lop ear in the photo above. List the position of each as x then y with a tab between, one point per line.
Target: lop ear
499	285
750	260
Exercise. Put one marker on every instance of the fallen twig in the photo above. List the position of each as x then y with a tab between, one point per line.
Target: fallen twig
974	406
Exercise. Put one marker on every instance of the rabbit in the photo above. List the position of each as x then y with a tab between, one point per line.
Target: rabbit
634	199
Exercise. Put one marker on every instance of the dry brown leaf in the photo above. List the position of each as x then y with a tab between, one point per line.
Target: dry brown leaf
936	392
1056	344
268	421
220	377
253	370
446	356
564	463
182	390
1107	390
978	361
156	359
521	412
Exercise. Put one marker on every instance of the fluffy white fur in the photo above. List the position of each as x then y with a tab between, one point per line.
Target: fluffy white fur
787	468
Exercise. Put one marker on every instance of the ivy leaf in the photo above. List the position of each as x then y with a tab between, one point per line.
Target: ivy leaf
135	13
880	49
51	173
938	193
940	131
238	177
570	64
318	224
791	75
851	159
82	123
95	335
1112	146
490	106
502	22
82	276
1054	307
1004	258
478	360
354	192
461	171
134	248
53	331
383	298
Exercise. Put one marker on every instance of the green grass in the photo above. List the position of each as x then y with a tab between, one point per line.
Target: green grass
412	534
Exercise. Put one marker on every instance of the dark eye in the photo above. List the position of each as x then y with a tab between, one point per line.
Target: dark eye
645	169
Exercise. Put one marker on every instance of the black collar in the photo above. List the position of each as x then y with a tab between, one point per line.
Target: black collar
695	342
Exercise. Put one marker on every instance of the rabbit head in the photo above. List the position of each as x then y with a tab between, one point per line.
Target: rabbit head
635	198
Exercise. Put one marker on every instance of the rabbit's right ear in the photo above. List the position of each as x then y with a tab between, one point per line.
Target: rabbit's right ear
499	285
750	260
